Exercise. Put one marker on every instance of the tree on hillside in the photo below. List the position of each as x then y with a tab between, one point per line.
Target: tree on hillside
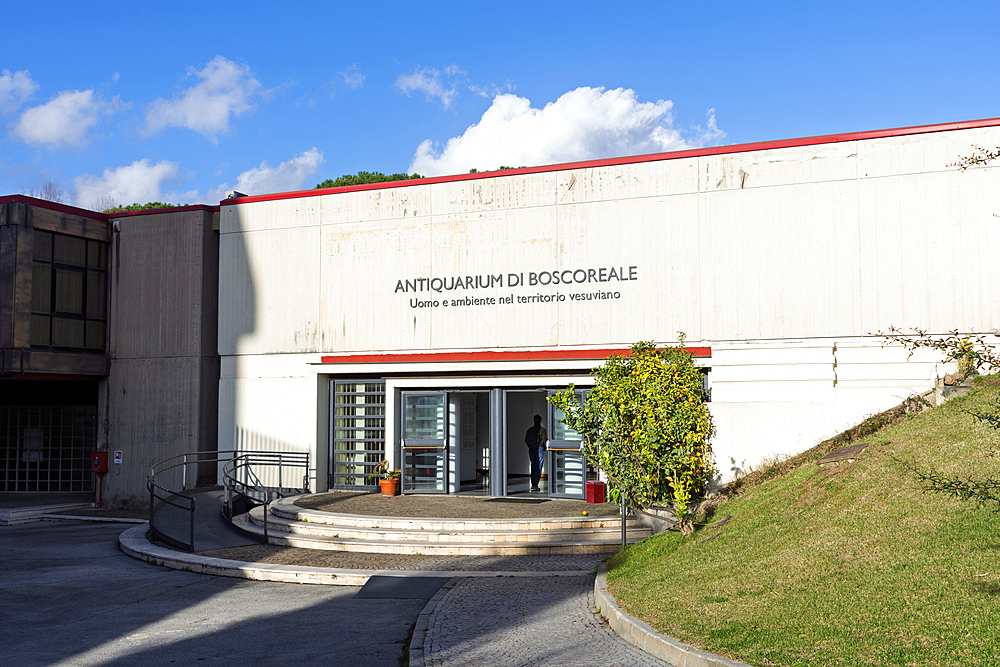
646	425
364	178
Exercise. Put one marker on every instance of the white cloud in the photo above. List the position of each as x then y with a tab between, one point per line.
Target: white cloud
136	183
290	175
711	134
65	119
15	90
583	124
492	90
353	77
427	80
225	89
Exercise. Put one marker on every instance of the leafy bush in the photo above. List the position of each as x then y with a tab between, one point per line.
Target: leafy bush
645	424
364	178
148	206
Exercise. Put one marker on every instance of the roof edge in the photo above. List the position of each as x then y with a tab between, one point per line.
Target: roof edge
53	206
97	215
633	159
167	209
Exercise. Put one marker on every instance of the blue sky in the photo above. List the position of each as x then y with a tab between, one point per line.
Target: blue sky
179	102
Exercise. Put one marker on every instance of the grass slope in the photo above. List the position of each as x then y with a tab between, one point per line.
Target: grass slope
841	564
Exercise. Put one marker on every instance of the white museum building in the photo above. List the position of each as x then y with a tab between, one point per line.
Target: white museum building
425	321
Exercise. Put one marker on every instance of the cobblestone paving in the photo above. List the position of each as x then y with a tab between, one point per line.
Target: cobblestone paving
517	623
454	506
278	555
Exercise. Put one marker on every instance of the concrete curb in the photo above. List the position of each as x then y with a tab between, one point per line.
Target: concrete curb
134	543
416	653
92	519
649	640
16	516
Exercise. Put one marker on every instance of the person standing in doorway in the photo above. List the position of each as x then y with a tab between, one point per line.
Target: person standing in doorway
535	439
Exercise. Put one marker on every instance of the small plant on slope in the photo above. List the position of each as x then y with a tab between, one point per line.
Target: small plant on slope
973	354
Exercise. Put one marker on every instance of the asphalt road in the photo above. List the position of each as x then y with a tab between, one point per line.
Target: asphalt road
69	597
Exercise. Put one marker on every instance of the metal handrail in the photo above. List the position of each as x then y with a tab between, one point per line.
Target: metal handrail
250	488
171	496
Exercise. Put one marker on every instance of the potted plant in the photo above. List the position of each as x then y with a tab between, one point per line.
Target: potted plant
388	479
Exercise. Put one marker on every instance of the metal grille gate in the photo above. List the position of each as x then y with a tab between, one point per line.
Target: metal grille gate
46	448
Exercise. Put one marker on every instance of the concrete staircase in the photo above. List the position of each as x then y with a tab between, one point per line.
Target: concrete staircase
313	529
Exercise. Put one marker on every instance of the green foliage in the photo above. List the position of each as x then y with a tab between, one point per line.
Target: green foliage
838	564
139	207
364	178
979	157
969	350
972	353
983	492
383	471
645	424
500	168
989	417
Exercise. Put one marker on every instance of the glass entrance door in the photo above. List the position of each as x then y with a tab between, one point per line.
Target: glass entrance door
566	463
424	441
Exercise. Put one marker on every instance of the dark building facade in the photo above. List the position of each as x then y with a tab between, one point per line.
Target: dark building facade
107	343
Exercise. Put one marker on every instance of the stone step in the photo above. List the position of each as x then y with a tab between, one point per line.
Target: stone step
286	509
424	531
568	546
18	515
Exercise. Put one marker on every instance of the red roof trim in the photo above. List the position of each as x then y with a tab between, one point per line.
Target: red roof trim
53	206
635	159
97	215
481	356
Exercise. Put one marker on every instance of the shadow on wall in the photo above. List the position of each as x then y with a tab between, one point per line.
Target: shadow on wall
237	320
738	469
248	440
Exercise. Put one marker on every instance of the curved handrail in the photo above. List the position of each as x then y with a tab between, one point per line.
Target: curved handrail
236	462
251	489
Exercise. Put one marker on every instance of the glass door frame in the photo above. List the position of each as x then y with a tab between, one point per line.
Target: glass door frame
498	388
410	446
567	446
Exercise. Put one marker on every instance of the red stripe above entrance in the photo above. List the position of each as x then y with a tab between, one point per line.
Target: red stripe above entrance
518	355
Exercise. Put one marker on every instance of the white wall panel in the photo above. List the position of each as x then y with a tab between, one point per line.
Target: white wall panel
778	167
628	181
779	266
282	278
382	204
803	251
280	214
494	194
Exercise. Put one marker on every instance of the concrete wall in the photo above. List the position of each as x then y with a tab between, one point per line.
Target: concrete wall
784	261
161	397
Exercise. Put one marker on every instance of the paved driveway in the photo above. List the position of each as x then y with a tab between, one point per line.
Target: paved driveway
514	622
69	597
